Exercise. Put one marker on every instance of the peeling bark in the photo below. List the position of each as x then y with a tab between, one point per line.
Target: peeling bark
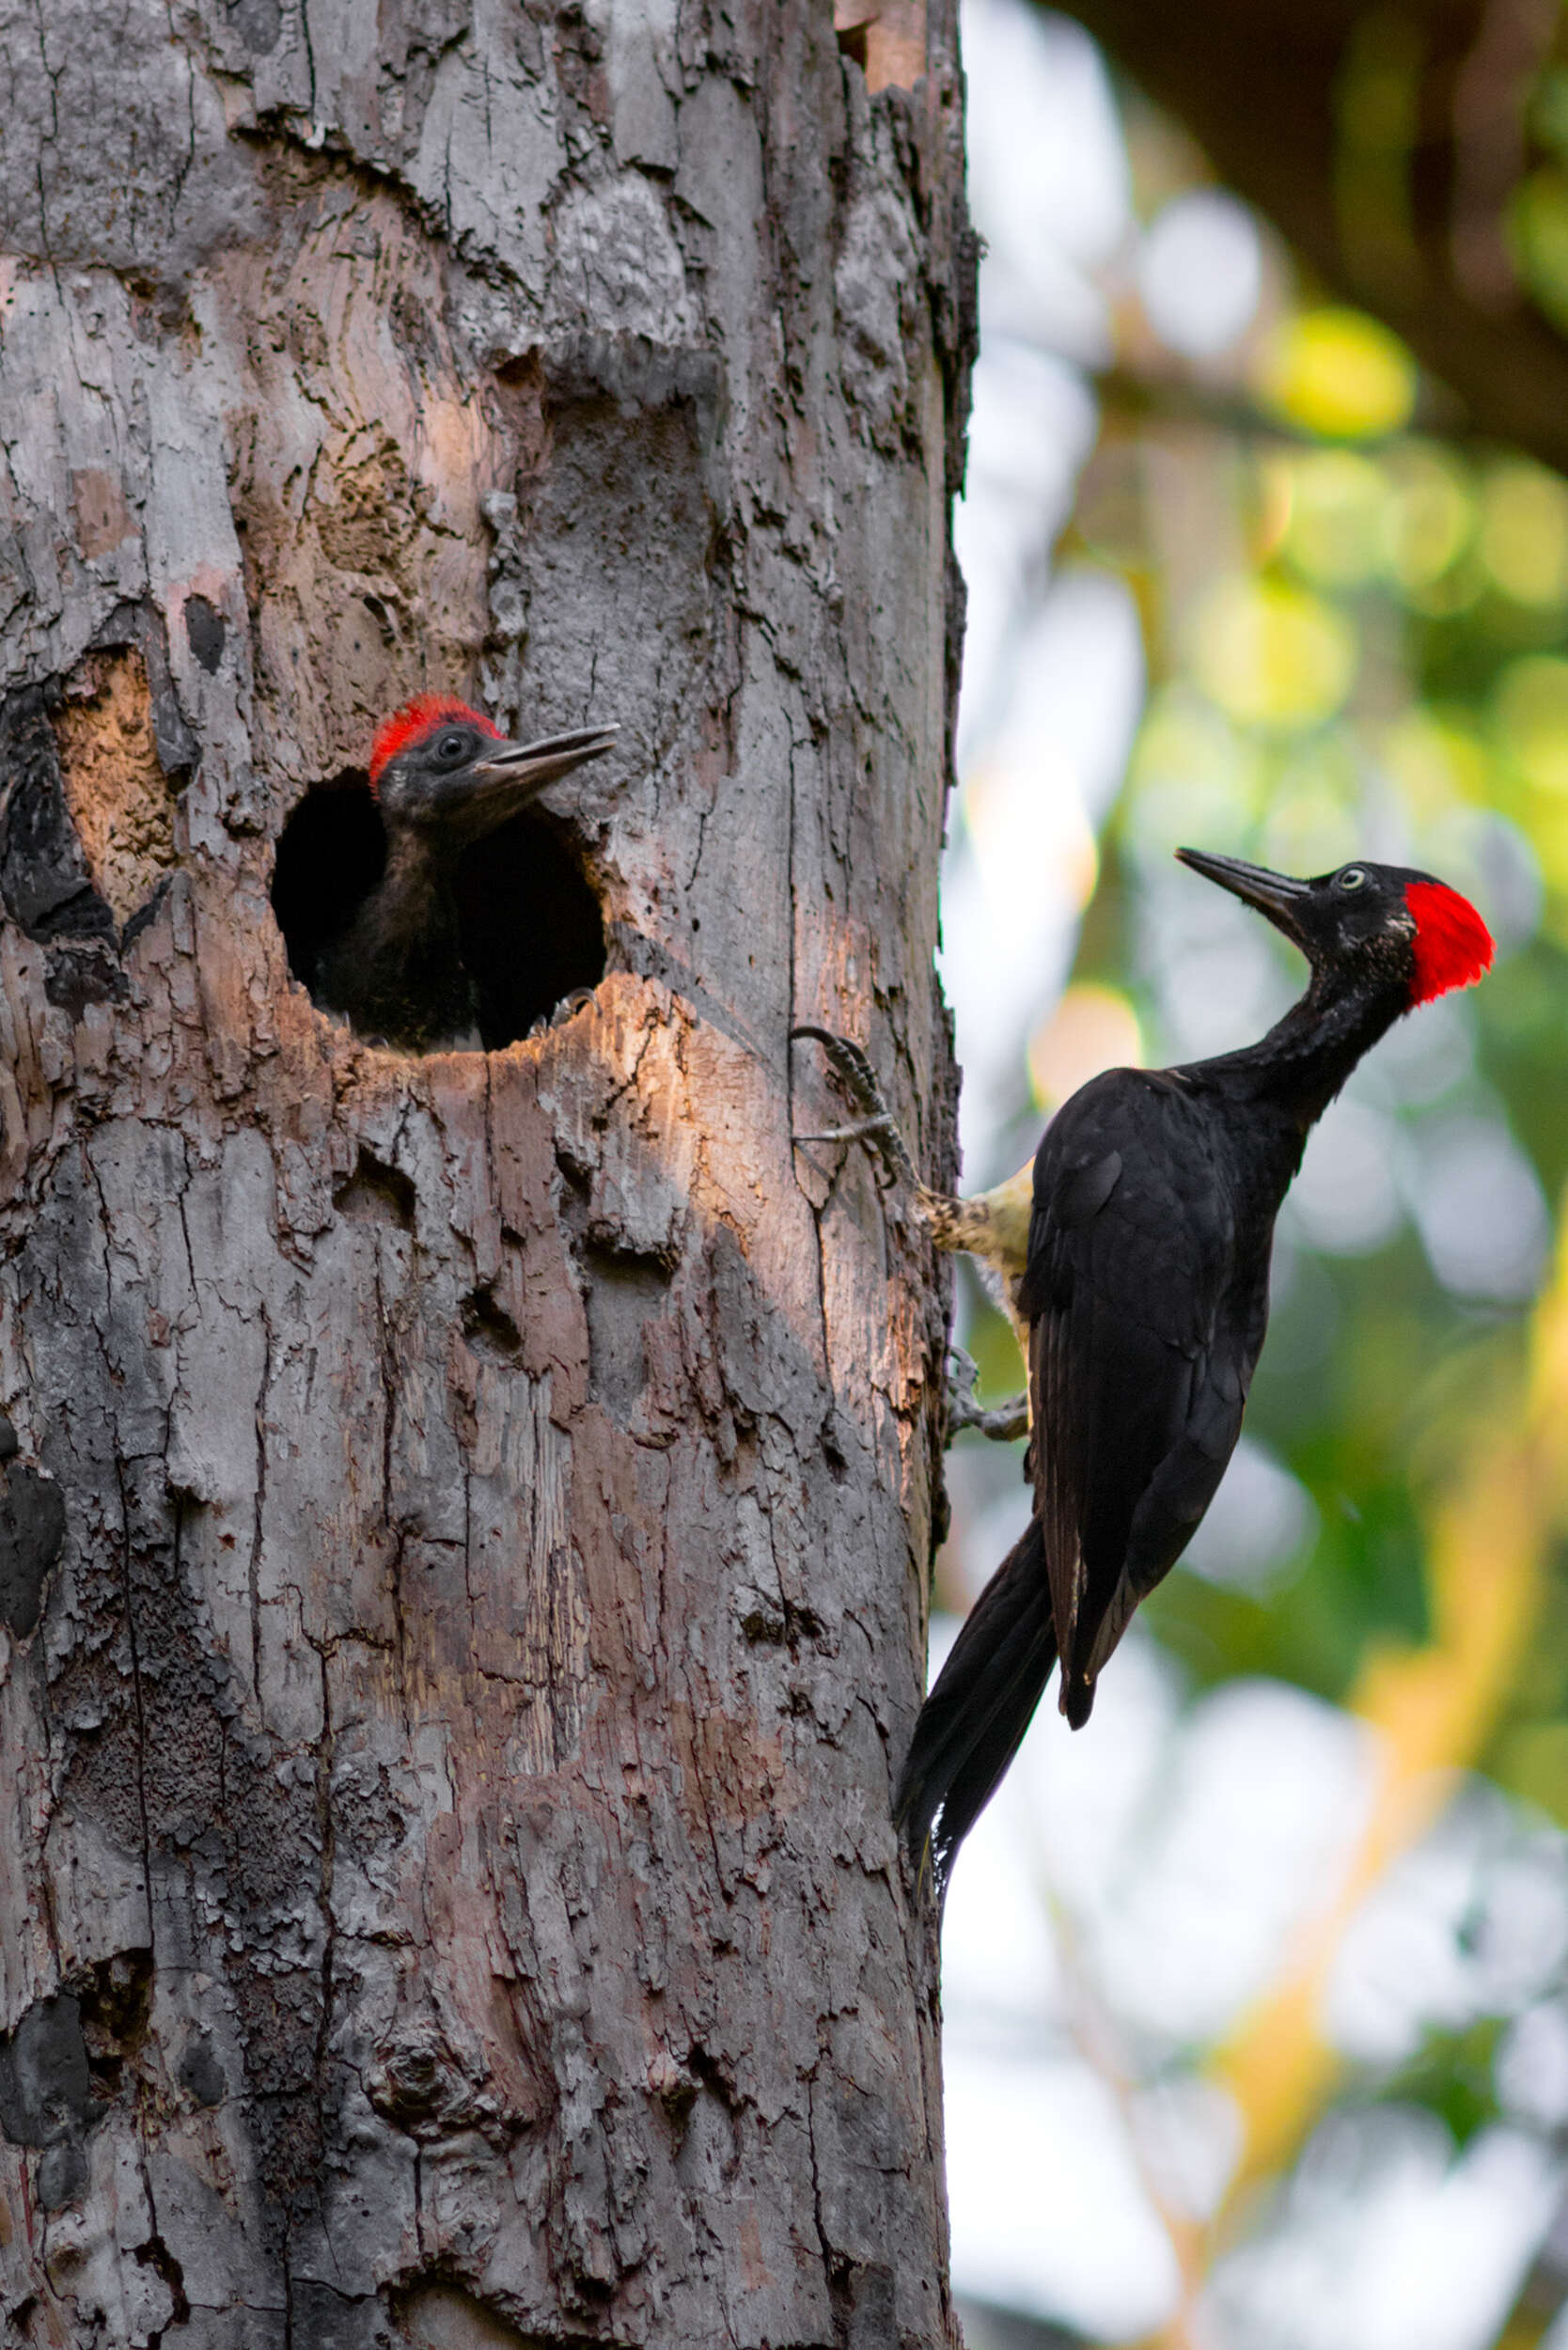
465	1519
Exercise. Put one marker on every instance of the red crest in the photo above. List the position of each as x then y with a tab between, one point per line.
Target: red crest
1453	946
421	716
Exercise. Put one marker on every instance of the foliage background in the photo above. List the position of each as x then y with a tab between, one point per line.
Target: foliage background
1257	2017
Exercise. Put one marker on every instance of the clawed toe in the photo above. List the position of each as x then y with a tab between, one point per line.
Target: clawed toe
1003	1423
878	1128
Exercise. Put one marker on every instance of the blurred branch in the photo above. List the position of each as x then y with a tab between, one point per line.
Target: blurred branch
1132	396
1387	149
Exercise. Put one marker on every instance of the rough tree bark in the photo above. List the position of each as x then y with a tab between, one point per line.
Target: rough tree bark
463	1546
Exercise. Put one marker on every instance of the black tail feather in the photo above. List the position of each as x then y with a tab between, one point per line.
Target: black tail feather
972	1724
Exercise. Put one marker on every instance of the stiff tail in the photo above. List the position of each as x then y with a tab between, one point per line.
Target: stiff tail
971	1725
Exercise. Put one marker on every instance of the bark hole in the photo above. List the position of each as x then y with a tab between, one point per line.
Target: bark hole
624	1293
32	1528
62	2068
376	1194
852	43
490	1330
331	854
531	929
445	2317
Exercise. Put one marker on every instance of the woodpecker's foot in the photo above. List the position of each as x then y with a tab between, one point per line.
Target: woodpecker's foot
876	1128
565	1009
1004	1422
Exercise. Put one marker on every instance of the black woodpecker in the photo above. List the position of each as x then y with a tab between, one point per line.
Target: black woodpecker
1145	1294
444	776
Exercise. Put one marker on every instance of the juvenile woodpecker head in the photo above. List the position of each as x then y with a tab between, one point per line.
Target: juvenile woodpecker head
441	769
1372	927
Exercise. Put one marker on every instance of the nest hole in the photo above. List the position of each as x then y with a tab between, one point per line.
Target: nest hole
530	927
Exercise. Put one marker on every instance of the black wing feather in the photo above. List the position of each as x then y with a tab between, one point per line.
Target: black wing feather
973	1722
1128	1283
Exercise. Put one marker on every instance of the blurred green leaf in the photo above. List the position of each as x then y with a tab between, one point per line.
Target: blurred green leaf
1452	2078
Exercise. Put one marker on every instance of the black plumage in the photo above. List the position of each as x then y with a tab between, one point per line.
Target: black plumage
1145	1295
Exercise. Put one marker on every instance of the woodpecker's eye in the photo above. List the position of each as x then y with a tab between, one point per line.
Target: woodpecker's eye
451	748
1351	878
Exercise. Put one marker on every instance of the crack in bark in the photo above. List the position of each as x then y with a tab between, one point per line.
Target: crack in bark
259	1509
128	1585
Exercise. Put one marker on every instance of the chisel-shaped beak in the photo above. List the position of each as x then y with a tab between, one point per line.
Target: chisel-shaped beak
1280	896
531	765
508	775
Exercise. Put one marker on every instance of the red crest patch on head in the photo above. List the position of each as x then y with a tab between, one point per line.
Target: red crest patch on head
421	716
1453	946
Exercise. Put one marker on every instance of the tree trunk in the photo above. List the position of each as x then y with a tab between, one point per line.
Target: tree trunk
463	1567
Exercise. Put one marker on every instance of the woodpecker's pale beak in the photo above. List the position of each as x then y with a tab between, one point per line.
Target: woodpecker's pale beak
1280	896
506	775
532	766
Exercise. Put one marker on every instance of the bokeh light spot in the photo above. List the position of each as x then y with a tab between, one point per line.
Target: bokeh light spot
1429	519
1532	718
1023	813
1338	372
1092	1028
1273	655
1261	1519
1523	537
1539	234
1193	778
1313	819
1199	272
1479	1205
1436	762
1335	534
1345	1200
